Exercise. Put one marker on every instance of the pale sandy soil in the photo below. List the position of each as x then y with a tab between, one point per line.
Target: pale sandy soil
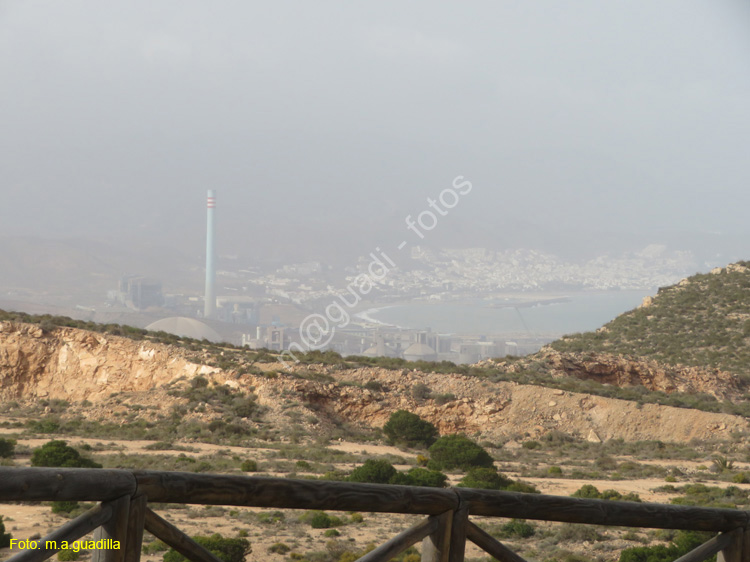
369	449
25	521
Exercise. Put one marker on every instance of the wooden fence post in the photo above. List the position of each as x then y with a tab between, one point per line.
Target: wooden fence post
436	547
116	529
734	552
134	534
458	534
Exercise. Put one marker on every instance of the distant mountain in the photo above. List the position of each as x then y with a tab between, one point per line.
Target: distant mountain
702	321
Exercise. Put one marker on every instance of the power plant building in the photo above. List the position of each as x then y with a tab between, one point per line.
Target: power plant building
139	292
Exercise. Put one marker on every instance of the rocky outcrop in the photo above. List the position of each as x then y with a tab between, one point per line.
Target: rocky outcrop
505	410
77	365
627	371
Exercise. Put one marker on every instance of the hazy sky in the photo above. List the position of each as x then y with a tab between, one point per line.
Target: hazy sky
323	124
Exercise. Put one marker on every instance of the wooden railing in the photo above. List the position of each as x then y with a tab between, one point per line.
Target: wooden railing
123	512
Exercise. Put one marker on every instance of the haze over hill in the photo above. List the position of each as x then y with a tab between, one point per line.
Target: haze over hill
584	128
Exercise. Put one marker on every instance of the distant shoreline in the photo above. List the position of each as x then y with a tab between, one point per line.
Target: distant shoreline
543	315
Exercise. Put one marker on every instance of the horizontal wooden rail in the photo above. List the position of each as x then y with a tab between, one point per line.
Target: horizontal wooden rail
70	532
602	512
219	489
65	484
48	484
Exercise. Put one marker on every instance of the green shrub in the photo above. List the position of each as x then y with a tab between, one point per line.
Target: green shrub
409	429
420	391
531	444
59	454
485	478
244	407
684	542
458	451
249	466
4	537
69	555
154	547
554	470
722	463
712	496
64	506
228	550
423	477
374	471
517	528
523	487
331	533
7	448
587	491
441	399
374	386
320	519
269	518
279	548
572	532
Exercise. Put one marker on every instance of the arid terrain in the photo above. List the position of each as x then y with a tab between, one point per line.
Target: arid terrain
141	404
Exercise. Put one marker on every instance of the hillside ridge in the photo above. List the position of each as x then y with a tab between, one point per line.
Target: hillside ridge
114	373
703	321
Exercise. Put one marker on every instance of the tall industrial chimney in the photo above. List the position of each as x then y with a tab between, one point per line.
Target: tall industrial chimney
210	299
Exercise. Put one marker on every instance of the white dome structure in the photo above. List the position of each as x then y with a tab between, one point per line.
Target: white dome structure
186	328
420	352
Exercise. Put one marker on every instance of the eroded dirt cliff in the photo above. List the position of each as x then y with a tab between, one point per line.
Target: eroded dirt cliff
77	365
624	371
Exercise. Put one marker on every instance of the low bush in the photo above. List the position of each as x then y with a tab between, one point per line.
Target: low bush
405	428
228	550
64	506
421	477
154	547
684	542
279	548
321	520
587	491
4	537
517	528
486	479
382	472
7	448
374	471
59	454
458	451
490	479
712	496
69	555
